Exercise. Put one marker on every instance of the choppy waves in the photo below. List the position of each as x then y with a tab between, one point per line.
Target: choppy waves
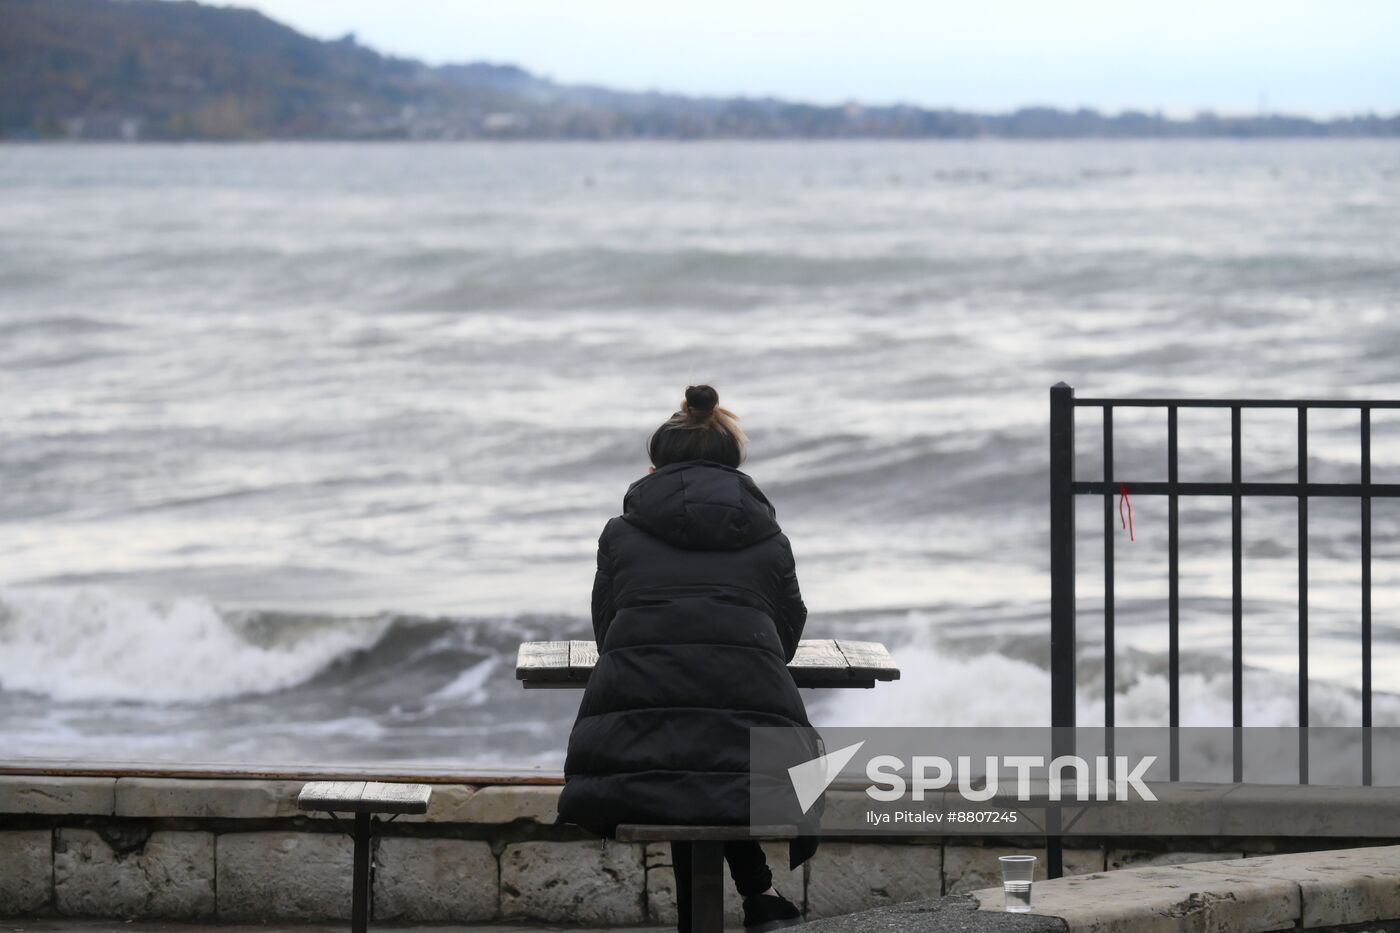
95	644
299	442
99	673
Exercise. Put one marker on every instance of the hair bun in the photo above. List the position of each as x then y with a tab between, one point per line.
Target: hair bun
701	399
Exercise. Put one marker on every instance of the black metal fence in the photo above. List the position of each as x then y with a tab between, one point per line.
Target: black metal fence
1063	490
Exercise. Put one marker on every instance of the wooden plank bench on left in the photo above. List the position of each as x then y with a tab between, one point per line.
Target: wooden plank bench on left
364	799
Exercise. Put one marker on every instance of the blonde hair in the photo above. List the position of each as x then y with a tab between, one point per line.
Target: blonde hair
701	430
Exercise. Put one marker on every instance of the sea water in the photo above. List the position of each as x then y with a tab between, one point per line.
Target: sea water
299	441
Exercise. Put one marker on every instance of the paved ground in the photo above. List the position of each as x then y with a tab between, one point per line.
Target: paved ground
945	915
63	925
952	914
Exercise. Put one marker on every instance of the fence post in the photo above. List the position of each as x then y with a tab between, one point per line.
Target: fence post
1062	671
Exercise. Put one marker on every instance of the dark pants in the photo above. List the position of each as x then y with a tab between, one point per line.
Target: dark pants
747	866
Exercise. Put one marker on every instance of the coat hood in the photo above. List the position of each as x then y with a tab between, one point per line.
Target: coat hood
700	505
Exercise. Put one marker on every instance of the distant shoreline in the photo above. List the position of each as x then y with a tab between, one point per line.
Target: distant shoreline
148	70
85	143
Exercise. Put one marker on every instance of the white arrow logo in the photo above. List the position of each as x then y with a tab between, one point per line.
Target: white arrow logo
811	778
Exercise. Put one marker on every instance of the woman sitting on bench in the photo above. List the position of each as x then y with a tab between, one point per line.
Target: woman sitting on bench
697	611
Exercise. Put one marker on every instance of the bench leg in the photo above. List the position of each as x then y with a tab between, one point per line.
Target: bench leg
359	904
707	887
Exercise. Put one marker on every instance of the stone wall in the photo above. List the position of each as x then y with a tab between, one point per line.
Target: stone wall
238	849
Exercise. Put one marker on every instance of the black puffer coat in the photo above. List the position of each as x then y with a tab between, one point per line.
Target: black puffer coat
697	611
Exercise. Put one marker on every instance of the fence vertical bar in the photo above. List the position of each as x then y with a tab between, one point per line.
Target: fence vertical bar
1236	595
1173	605
1366	596
1302	595
1062	609
1108	679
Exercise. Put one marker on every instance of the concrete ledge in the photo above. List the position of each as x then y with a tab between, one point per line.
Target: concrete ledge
508	804
1311	810
1286	892
251	799
935	915
1346	889
233	799
1141	858
1339	887
1181	809
447	805
1169	899
1204	809
22	793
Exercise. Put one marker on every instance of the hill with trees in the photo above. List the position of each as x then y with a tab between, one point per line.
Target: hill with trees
167	70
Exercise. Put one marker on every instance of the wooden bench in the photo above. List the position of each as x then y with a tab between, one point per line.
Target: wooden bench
824	662
364	799
706	862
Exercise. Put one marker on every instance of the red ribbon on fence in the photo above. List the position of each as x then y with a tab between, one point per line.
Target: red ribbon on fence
1122	501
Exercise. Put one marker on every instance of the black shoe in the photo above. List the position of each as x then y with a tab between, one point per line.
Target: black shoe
764	912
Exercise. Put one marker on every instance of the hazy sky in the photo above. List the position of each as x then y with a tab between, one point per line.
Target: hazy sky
1301	56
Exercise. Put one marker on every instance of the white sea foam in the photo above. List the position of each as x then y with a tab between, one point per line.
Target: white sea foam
941	685
469	687
95	643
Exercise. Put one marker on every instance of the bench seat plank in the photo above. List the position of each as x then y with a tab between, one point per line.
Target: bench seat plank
821	654
868	659
323	795
583	657
396	798
542	660
364	797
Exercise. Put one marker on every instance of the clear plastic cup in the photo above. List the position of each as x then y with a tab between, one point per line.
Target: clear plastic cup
1017	873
